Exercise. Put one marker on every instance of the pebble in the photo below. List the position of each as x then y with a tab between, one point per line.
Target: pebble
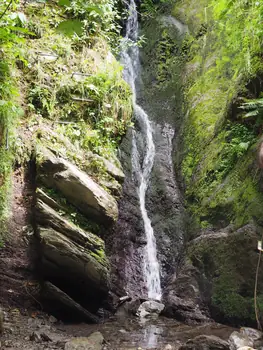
52	319
168	347
122	331
35	336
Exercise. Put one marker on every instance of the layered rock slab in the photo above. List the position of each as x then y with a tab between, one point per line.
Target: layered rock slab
73	259
70	257
77	187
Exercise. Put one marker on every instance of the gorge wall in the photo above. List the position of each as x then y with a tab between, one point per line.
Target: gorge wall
216	149
75	234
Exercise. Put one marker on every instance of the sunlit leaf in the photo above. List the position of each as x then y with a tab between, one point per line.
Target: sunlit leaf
64	3
71	27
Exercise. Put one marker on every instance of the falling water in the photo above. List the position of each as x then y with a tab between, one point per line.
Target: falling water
142	170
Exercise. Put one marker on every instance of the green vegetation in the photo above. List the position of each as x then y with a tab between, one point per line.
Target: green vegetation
11	43
60	84
80	89
220	133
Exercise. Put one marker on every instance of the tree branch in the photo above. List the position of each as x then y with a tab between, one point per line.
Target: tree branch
6	9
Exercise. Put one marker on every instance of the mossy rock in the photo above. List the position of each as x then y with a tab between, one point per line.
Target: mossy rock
228	259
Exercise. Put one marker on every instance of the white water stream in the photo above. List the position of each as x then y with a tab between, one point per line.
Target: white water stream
142	170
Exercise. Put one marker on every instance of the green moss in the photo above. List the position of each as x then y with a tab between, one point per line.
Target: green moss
162	56
217	146
9	116
226	261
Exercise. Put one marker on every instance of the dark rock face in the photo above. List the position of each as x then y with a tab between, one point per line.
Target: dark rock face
126	240
163	199
183	296
165	204
72	257
165	209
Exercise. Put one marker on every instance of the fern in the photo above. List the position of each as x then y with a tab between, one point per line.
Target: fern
254	108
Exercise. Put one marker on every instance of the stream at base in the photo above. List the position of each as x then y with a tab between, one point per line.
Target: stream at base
129	334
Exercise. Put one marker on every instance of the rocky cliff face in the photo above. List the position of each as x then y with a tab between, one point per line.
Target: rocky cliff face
73	235
217	158
76	109
163	199
190	87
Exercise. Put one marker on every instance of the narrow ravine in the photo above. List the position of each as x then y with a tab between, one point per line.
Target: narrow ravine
142	164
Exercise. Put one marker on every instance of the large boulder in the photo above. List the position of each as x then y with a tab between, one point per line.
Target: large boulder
228	260
62	257
183	298
77	187
246	337
150	308
205	342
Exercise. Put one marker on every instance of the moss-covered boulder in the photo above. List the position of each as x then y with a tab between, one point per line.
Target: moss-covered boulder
77	187
112	167
228	259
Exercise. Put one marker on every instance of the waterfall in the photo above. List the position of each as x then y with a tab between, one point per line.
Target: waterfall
141	169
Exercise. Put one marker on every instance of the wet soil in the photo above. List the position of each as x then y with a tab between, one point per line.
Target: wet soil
17	284
40	331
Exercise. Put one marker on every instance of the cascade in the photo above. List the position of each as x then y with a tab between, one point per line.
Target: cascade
142	163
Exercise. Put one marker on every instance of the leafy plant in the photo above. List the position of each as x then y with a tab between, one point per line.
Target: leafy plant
90	18
254	113
253	108
11	42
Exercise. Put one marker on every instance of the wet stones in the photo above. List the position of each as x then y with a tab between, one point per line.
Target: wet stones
150	309
93	342
205	342
246	337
